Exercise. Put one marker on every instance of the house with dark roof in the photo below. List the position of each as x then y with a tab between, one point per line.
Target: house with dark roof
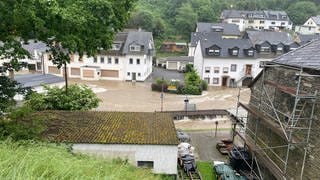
144	139
306	38
282	126
270	44
311	26
130	58
258	20
225	30
225	62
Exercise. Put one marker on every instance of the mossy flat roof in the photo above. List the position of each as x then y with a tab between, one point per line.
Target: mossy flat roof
97	127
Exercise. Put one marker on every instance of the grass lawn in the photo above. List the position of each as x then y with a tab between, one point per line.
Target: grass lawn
206	170
36	160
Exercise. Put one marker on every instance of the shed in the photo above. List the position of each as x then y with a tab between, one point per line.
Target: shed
144	139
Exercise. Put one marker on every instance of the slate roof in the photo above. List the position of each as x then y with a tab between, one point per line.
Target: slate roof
258	37
307	38
225	45
268	15
316	19
228	29
97	127
140	38
33	45
307	56
34	80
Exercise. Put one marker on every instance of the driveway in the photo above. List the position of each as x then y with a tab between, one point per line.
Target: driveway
166	74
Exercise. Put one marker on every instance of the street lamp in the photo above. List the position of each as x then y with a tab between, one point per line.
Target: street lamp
186	101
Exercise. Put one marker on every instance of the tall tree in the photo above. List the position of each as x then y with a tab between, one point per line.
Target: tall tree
186	20
299	12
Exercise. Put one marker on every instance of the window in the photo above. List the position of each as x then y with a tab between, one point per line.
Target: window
215	52
233	68
216	70
115	46
138	61
261	22
207	70
128	73
251	21
225	70
279	48
145	164
135	48
109	60
139	74
234	52
235	20
95	59
116	60
250	52
265	49
215	81
283	23
130	61
273	22
207	80
101	59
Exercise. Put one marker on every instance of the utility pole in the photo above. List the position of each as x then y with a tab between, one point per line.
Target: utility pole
186	101
161	95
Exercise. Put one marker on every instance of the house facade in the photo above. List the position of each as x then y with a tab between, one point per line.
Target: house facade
143	139
129	59
235	62
311	26
258	20
282	127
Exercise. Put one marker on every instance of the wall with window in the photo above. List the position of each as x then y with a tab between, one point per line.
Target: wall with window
163	157
137	67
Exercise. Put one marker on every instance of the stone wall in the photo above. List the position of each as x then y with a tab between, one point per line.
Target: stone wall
262	97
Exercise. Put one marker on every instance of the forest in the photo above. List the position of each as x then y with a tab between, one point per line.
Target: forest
175	19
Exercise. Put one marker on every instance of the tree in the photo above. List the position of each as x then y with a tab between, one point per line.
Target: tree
73	26
299	12
8	89
186	20
78	98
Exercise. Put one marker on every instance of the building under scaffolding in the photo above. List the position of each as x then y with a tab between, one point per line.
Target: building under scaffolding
282	127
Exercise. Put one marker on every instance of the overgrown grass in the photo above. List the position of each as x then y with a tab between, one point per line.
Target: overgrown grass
206	170
36	160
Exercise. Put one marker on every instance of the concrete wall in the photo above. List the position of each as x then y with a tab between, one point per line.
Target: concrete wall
163	156
284	103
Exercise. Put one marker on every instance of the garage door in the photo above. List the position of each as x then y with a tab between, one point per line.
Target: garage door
88	73
53	70
75	71
172	65
109	73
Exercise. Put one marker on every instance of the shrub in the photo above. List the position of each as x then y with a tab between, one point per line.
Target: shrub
193	90
158	87
204	85
78	98
189	68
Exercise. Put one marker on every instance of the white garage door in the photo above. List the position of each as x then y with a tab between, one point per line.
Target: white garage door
172	65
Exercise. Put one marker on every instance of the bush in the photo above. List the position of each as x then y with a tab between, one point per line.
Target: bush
20	125
78	98
192	90
158	87
204	85
189	68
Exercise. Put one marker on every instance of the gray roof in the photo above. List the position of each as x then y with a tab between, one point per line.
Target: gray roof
138	37
258	37
307	56
180	58
228	29
316	19
33	45
271	15
34	80
307	38
225	45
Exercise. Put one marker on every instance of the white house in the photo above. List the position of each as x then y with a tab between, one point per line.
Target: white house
311	26
129	59
143	139
235	62
258	20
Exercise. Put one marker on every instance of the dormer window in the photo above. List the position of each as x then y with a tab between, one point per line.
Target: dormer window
265	49
250	52
135	48
214	51
284	17
280	48
234	52
116	46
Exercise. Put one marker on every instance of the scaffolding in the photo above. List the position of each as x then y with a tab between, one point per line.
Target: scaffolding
284	124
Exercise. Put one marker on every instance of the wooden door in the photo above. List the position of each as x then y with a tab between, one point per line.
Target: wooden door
248	69
224	81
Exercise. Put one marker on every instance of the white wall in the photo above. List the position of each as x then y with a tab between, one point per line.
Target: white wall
163	156
198	60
